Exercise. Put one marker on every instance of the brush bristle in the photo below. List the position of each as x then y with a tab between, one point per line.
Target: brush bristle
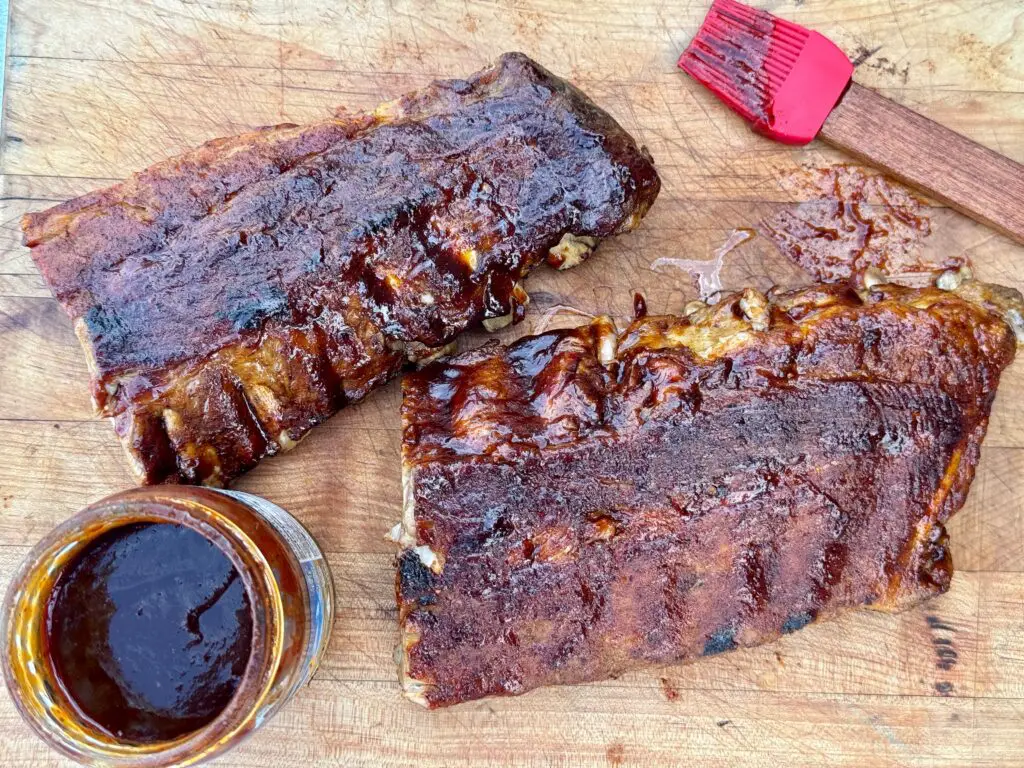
784	79
744	55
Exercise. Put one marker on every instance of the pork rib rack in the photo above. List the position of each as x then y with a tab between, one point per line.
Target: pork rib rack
580	502
231	298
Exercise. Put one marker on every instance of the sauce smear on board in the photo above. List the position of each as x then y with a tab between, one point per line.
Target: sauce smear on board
851	221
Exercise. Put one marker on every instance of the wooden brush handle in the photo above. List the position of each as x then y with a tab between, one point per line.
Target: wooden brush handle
968	177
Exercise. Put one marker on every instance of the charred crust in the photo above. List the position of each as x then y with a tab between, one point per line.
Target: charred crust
416	582
796	621
720	641
696	483
311	262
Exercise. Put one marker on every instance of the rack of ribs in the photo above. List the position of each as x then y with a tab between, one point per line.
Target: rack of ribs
233	297
581	502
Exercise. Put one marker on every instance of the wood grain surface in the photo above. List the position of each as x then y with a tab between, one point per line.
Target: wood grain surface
967	176
99	88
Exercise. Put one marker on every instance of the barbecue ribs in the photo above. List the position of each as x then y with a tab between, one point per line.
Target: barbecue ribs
231	298
580	503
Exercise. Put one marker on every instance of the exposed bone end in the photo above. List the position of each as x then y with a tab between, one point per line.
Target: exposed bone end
755	308
82	332
1006	302
607	340
135	464
711	331
723	314
606	350
520	298
264	401
1015	319
952	279
389	111
100	397
492	324
867	280
604	529
395	534
215	479
421	354
872	277
172	422
285	441
571	251
429	558
633	221
414	690
693	307
404	532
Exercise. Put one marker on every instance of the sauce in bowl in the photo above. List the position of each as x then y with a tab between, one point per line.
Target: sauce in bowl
150	631
160	626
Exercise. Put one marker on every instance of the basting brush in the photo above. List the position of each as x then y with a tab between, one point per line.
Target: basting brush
795	85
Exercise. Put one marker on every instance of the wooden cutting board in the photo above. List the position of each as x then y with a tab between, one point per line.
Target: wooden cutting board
99	88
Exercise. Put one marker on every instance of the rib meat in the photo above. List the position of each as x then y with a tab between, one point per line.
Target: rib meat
233	297
580	503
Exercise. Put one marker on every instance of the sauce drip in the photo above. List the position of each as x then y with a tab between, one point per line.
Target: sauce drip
639	306
150	631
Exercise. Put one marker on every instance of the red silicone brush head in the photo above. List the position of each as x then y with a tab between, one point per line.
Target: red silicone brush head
777	75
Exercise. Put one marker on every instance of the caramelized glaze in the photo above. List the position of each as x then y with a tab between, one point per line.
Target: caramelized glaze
583	502
232	298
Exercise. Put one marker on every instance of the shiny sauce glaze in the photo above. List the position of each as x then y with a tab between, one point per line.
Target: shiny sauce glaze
150	631
236	296
585	502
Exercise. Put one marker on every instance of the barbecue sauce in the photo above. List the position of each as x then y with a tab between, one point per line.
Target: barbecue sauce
853	220
150	631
